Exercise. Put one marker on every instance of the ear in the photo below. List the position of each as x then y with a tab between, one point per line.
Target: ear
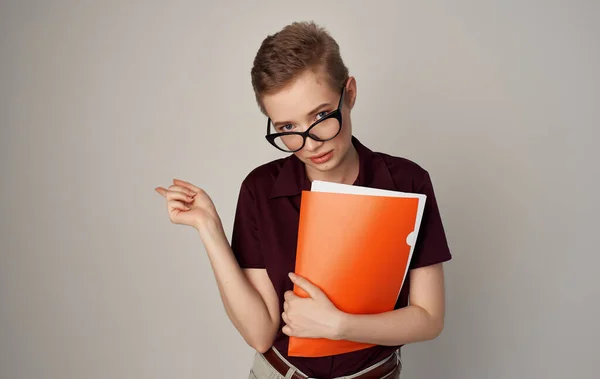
350	92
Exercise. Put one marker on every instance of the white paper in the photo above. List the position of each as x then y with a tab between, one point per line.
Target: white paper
321	186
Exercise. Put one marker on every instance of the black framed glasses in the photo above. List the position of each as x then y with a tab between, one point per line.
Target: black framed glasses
324	129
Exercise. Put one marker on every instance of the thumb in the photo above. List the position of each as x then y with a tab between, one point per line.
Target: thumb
312	290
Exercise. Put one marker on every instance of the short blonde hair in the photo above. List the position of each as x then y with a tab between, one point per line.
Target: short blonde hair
288	53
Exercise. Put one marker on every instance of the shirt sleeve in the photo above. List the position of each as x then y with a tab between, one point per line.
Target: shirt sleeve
244	240
431	245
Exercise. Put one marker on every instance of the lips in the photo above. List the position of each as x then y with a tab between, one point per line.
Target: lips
322	158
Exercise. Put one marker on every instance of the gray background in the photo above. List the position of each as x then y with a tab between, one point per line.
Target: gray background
103	101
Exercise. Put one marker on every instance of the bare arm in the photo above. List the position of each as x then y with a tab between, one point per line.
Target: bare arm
317	317
422	320
248	296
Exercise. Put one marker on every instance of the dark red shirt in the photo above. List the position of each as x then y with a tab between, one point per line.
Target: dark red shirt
266	226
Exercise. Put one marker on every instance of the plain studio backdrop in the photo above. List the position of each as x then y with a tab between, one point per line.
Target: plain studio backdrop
103	101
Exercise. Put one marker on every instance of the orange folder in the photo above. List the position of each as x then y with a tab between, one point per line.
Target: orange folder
355	244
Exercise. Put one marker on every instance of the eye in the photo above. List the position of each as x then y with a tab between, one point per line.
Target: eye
322	114
286	128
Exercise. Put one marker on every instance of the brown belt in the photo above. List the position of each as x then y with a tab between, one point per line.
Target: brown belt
385	370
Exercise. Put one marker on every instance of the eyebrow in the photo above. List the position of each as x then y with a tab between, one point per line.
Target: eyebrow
318	108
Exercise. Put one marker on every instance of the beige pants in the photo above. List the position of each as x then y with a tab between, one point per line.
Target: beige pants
262	369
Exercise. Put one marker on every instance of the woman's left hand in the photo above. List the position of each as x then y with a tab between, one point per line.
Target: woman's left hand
312	317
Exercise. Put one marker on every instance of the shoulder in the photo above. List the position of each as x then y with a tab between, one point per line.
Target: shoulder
402	166
263	177
407	174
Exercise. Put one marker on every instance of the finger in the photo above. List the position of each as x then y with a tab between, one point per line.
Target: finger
187	185
183	189
289	296
284	317
286	306
176	195
161	191
287	330
174	204
312	290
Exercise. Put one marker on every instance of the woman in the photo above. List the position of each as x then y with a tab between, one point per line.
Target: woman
301	82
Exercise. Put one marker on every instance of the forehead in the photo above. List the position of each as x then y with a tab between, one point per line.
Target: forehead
297	99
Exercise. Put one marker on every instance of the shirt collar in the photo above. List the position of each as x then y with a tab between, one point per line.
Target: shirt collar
373	172
291	180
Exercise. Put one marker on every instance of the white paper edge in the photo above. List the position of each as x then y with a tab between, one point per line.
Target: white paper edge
322	186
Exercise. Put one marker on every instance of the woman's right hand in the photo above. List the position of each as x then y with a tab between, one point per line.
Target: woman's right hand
189	205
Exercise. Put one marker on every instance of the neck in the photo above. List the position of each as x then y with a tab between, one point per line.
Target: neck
345	173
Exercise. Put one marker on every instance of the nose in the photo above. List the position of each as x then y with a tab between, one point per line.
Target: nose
312	145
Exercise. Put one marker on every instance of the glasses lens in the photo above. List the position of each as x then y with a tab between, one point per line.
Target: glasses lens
325	130
291	142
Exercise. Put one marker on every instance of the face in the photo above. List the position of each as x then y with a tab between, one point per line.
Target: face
304	101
